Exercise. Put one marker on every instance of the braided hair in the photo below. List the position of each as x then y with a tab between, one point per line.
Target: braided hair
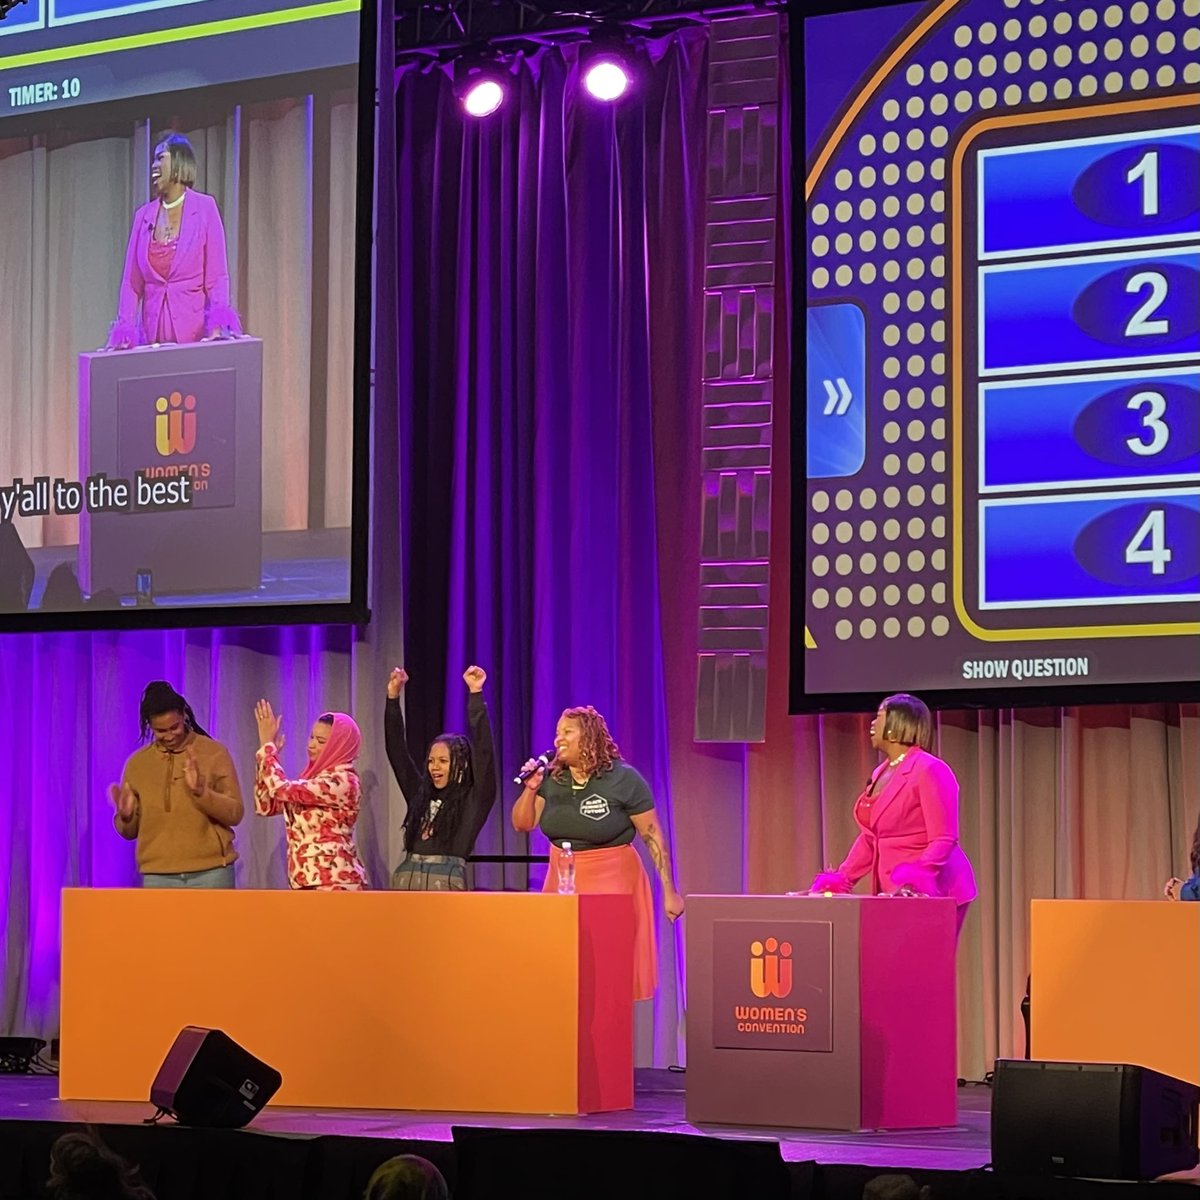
453	796
160	697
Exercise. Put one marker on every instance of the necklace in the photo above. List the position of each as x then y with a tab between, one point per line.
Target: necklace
174	203
435	806
882	777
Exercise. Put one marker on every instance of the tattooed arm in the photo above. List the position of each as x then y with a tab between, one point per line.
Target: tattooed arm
652	834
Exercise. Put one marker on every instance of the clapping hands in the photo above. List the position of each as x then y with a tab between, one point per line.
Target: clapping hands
124	800
191	775
269	724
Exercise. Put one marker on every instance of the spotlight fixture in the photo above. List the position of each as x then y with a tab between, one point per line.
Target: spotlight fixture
606	64
606	79
480	85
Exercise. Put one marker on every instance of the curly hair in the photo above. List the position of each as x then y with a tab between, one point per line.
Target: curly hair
82	1167
453	796
597	750
1196	850
160	697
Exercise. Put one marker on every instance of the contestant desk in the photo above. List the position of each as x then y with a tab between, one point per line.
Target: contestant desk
821	1012
1116	981
467	1002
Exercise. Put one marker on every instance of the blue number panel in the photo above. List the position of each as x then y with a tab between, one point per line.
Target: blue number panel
1078	454
1101	310
71	12
1105	548
1125	427
1090	193
27	16
836	424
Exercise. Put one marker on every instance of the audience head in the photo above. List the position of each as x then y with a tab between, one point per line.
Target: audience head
82	1167
17	572
406	1177
167	715
62	593
895	1187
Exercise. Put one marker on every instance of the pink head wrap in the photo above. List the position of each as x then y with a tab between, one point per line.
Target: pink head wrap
341	747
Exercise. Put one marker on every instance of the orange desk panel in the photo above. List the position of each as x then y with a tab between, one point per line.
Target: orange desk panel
1117	981
467	1002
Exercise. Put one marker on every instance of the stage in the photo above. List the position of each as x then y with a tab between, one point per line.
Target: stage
326	1153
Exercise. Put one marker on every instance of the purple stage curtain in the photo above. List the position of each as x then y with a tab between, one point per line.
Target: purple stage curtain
549	309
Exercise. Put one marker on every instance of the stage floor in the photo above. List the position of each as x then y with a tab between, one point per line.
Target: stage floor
658	1108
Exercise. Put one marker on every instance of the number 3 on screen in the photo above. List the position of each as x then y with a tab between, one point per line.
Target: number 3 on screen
1156	405
1148	545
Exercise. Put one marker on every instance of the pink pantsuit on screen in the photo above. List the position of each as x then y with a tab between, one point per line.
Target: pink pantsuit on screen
195	290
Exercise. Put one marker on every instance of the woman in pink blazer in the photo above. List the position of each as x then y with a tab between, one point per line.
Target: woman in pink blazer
175	287
907	815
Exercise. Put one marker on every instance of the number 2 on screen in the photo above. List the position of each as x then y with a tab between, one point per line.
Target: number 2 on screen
1139	324
1148	545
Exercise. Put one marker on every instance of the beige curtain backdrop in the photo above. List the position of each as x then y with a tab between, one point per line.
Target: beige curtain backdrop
67	206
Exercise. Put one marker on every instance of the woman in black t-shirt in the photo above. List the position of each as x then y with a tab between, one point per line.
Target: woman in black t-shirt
449	801
597	803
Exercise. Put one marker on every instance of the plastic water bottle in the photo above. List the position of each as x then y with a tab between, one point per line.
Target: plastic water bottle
566	870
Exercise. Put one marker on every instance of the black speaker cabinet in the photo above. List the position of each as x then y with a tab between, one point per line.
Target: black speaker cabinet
208	1079
1097	1120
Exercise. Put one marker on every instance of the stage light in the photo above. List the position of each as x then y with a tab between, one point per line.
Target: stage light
483	98
606	64
606	78
480	86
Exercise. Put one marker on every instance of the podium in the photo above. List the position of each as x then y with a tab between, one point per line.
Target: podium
166	413
443	1002
1116	981
821	1012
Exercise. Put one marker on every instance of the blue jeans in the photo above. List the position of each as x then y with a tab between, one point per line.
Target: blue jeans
214	877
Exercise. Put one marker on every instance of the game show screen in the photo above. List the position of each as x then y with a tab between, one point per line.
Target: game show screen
181	385
998	442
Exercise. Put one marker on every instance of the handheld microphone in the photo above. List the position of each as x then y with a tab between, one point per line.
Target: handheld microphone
539	764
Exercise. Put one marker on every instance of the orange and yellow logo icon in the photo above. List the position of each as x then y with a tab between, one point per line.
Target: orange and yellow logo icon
175	425
771	968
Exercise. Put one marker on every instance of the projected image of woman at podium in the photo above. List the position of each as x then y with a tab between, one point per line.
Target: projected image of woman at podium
450	800
321	807
597	803
907	816
175	285
178	797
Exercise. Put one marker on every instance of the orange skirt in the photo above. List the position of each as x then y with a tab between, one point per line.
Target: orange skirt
618	871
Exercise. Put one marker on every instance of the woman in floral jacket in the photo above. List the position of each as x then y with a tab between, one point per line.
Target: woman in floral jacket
320	807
